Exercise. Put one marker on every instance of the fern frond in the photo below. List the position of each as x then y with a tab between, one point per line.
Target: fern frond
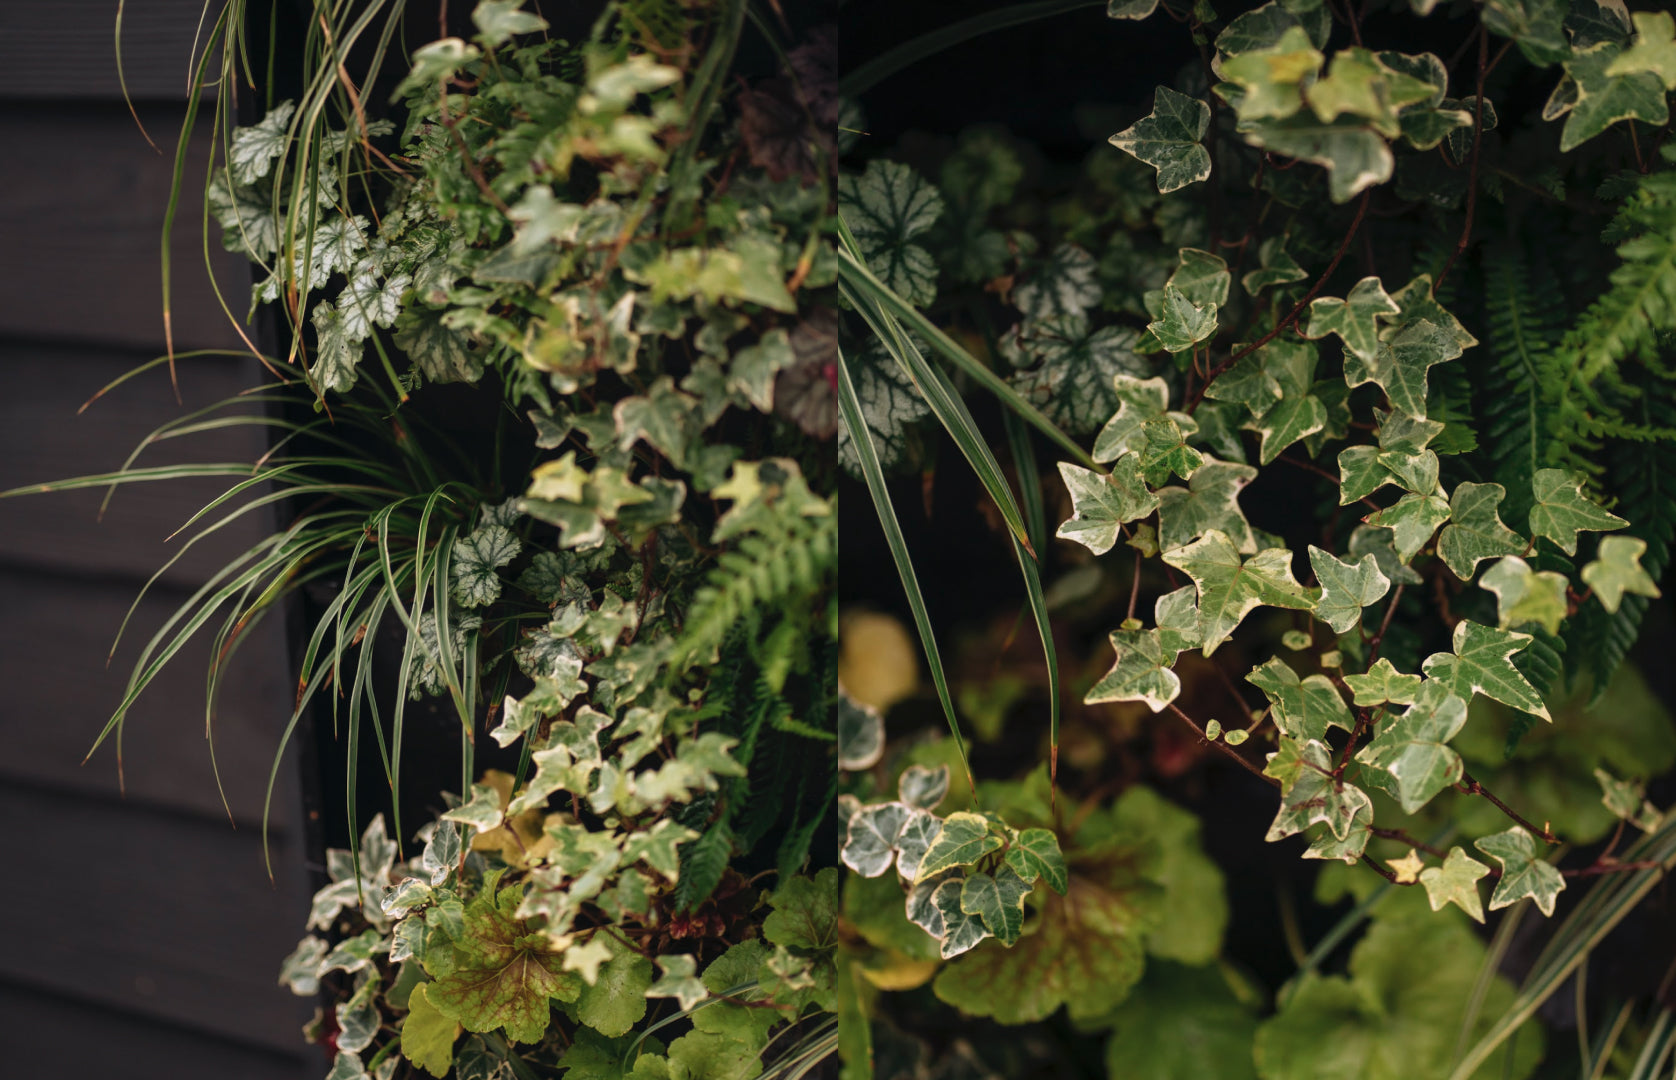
1523	314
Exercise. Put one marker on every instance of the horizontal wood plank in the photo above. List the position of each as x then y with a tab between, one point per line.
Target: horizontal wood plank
49	1035
42	438
54	637
67	49
154	914
82	225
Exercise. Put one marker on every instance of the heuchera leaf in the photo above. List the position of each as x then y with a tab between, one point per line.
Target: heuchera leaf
1480	664
1560	509
1410	754
505	972
1522	872
1616	570
1456	882
1102	504
1140	673
427	1035
1168	139
616	1000
1475	531
886	207
1346	588
1231	588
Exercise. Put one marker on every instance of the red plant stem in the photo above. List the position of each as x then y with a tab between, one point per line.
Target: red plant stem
1388	875
1384	625
1477	144
1402	837
1292	316
1473	787
1225	748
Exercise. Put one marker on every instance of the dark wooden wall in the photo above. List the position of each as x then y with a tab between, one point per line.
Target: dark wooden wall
143	935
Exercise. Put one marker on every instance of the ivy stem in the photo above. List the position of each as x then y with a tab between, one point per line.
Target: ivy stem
1477	145
1291	316
1403	837
1384	625
1473	787
1227	750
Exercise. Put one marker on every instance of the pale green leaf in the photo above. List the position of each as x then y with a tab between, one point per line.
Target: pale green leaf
1456	882
1480	664
1412	520
1101	504
1526	596
1560	509
1354	319
1383	683
1410	755
1231	588
1168	140
1182	324
677	979
1346	588
1523	873
1475	531
1210	501
1272	80
427	1035
1616	570
1654	49
1303	709
499	20
1140	673
1355	156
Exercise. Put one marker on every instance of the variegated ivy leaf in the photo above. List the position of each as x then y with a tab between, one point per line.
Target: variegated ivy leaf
1181	324
923	787
410	893
337	351
1381	544
1101	504
587	958
961	931
663	418
254	149
1202	277
1461	137
890	407
1616	570
1475	531
1355	156
870	842
1274	267
1065	283
914	841
1290	420
676	979
753	369
1456	882
1359	84
1210	501
1349	847
1168	140
441	354
886	207
1561	510
1271	80
1346	588
1177	616
1035	854
920	908
1311	793
442	851
1279	370
483	811
1354	319
998	900
861	735
301	969
1381	684
1424	127
764	493
1537	26
1412	520
963	840
1303	709
1139	400
1165	452
356	953
1141	671
1072	380
1231	588
498	21
1267	24
1523	873
1130	9
1410	755
1654	50
1481	664
1399	365
1526	596
475	559
1604	99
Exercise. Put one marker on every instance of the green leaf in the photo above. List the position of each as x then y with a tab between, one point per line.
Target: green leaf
1412	520
1274	267
1272	79
1360	85
1035	854
1166	452
1411	751
434	63
1456	882
1202	277
1181	324
1181	1021
1072	383
1561	510
499	20
337	351
1140	673
1355	157
1604	99
886	207
1279	369
1480	664
676	979
1381	544
1139	400
1536	25
442	355
476	557
1065	284
1654	50
504	974
616	1000
427	1035
805	914
1383	683
1292	419
1168	140
960	930
254	149
870	838
1311	794
998	900
1616	570
482	811
890	407
1475	531
1524	596
1231	588
1361	473
1101	504
963	840
1354	319
1303	709
1210	501
1399	366
1346	588
1523	874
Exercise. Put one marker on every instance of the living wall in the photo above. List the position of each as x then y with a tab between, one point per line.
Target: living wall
1267	417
